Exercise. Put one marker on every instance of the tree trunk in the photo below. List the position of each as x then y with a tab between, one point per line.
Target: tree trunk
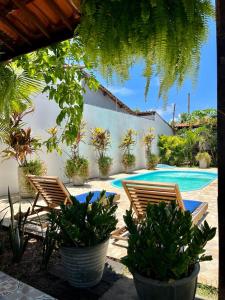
220	9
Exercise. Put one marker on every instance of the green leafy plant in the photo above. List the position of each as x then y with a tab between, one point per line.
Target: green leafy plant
166	35
34	167
152	161
104	163
18	238
64	83
84	224
171	149
101	141
128	141
128	160
77	165
148	139
165	245
203	156
19	141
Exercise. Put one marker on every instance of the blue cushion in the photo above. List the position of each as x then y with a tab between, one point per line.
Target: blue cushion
82	197
191	205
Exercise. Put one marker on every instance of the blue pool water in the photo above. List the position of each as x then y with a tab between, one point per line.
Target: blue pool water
187	180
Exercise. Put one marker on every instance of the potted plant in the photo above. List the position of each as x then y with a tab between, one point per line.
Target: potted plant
100	140
164	251
77	166
20	145
204	159
82	232
128	159
152	159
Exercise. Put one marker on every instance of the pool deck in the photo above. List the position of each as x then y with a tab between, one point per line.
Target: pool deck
209	270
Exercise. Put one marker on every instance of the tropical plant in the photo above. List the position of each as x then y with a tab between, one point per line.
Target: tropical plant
152	161
204	156
104	163
171	149
101	141
16	89
77	165
61	67
82	224
128	141
128	160
18	238
166	35
165	245
148	139
19	141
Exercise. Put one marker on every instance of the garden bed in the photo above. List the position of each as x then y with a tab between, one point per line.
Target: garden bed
52	281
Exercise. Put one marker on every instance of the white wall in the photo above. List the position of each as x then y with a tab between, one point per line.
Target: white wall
116	122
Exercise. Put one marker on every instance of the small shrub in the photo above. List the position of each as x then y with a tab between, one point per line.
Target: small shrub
84	224
128	160
171	149
152	161
77	166
165	245
204	156
104	163
34	167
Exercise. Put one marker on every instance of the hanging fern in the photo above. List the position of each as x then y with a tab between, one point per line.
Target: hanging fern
166	34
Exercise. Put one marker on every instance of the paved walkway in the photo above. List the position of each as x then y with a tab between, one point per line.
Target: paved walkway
209	270
13	289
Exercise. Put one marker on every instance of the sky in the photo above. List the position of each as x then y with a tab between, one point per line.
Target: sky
203	94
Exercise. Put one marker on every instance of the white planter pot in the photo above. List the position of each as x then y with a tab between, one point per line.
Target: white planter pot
182	289
84	266
128	170
25	190
78	180
203	164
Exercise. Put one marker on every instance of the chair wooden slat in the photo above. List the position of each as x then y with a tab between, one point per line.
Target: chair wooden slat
141	193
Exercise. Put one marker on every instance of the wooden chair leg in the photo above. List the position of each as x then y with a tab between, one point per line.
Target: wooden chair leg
35	202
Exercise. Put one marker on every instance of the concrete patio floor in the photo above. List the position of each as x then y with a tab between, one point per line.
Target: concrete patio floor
209	270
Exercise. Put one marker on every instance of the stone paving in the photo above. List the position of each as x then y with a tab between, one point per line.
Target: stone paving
209	270
13	289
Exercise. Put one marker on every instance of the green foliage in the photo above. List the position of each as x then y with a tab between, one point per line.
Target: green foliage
166	35
204	156
104	163
128	160
34	167
49	244
148	139
18	238
77	166
16	89
100	140
84	224
152	161
171	149
128	141
165	245
204	117
65	84
19	141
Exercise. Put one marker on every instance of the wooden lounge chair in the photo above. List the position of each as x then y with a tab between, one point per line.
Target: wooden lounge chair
141	193
54	193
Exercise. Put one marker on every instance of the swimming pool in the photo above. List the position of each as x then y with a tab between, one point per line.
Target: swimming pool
187	180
